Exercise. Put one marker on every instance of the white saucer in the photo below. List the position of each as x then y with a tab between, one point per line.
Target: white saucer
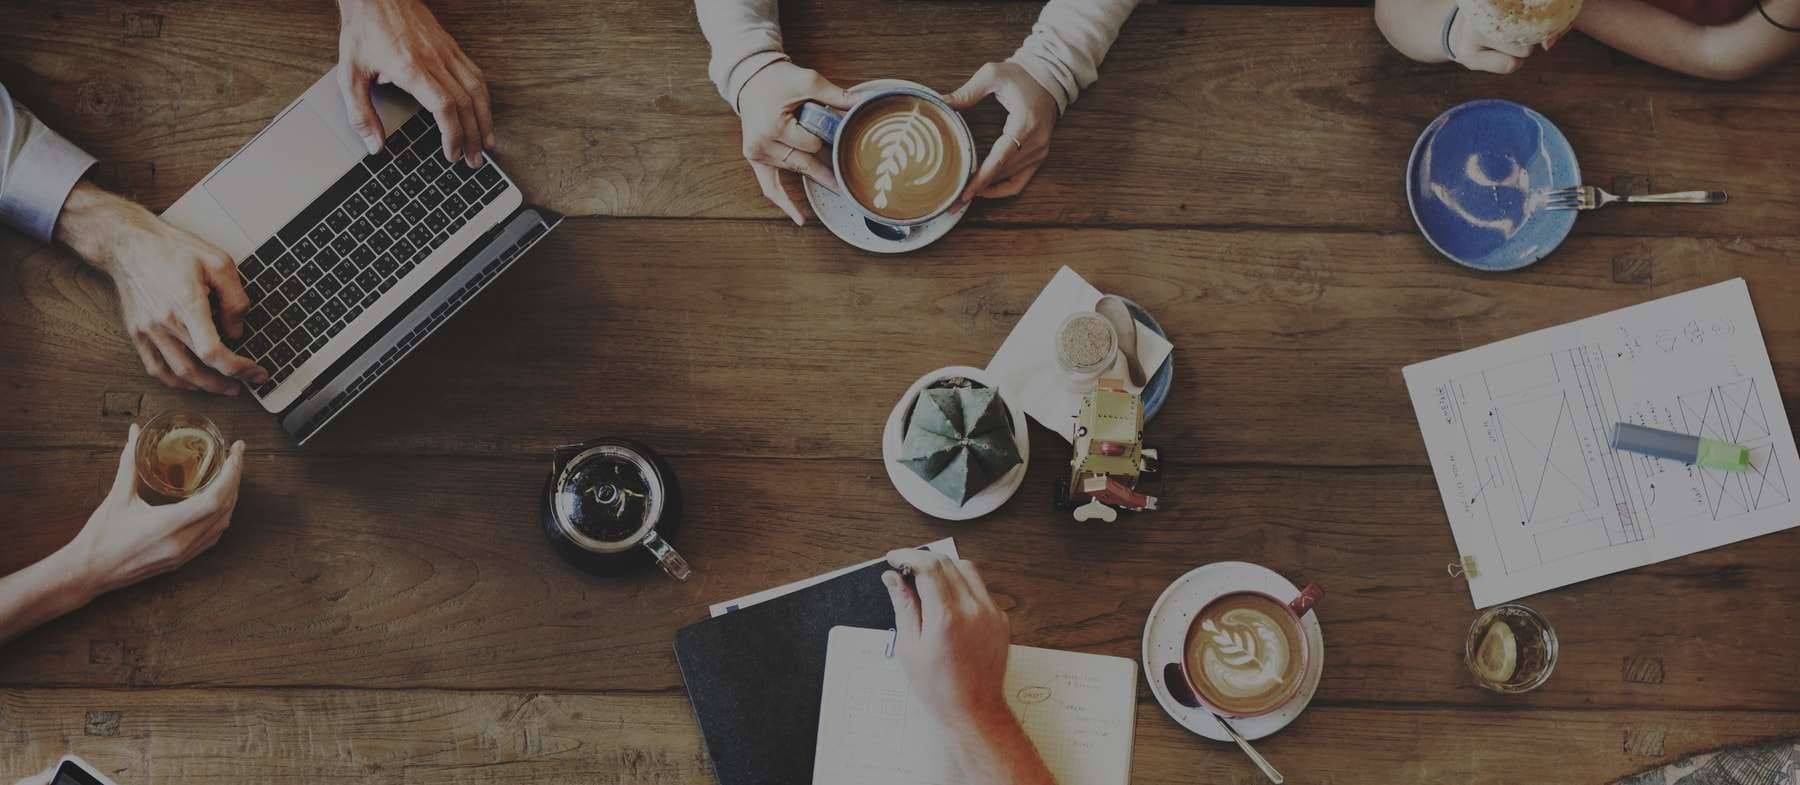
917	491
1166	633
839	214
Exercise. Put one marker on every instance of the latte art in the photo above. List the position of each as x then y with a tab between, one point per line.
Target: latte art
900	158
1245	654
909	146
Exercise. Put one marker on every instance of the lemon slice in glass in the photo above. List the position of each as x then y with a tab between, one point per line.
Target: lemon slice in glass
186	454
1498	656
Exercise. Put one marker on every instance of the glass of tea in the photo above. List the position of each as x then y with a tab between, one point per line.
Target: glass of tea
1511	648
178	453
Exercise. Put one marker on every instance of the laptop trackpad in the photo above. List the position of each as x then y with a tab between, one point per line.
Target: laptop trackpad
280	173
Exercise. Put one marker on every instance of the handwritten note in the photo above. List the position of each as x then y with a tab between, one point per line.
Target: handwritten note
1078	709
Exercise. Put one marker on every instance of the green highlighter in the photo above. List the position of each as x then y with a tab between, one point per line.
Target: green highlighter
1680	447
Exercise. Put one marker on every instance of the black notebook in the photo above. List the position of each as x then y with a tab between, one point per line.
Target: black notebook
756	675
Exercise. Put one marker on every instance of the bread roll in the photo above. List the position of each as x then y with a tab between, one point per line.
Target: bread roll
1520	22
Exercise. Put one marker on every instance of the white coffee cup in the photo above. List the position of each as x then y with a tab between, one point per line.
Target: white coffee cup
829	124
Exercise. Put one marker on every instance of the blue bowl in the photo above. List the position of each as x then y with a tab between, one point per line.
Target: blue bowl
1477	183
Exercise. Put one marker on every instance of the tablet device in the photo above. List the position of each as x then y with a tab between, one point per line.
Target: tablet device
73	770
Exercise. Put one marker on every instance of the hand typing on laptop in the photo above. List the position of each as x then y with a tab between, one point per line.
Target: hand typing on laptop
168	283
953	643
400	42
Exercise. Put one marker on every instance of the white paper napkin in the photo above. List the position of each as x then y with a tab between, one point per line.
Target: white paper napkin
1026	362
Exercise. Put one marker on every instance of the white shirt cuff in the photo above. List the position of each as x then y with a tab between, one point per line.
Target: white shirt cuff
39	181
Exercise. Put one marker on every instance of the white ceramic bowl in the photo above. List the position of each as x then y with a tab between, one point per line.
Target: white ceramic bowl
916	490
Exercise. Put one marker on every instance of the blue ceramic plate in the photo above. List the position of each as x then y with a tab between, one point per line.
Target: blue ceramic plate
1157	389
1477	183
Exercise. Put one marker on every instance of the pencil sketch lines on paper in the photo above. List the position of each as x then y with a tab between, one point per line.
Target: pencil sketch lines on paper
1733	412
1540	441
1539	428
1520	431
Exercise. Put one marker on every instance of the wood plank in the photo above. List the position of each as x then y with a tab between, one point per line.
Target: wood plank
313	735
752	338
430	572
1205	115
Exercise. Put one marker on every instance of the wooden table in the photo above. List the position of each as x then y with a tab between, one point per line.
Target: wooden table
384	609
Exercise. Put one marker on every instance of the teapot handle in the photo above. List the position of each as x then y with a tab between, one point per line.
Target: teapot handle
666	557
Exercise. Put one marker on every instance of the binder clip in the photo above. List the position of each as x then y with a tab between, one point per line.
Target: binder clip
1464	569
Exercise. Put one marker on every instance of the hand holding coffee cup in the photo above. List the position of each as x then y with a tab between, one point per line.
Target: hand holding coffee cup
773	140
1031	114
1246	654
901	153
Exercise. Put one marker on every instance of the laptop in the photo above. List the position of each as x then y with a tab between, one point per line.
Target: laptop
351	260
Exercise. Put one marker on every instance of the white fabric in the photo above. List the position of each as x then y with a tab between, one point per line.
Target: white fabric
1068	42
745	36
1063	52
38	168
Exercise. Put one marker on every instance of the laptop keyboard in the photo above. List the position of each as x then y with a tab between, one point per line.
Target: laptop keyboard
354	243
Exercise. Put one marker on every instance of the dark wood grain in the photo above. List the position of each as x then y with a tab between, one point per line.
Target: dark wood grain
384	608
752	338
1215	116
316	735
430	571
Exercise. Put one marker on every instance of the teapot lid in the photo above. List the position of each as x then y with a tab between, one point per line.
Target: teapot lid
607	497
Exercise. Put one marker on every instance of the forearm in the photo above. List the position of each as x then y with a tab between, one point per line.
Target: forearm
1068	43
994	750
1732	51
1415	27
91	221
745	36
41	592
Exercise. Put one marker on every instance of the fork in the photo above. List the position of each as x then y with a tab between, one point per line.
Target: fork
1587	197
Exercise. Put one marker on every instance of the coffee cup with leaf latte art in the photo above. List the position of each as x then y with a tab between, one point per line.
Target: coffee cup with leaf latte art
899	158
901	153
1246	654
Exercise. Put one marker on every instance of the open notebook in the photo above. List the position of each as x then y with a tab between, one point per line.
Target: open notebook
1077	708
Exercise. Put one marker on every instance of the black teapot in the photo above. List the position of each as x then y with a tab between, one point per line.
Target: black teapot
610	505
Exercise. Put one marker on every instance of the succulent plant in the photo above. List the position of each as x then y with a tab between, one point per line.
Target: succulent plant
960	440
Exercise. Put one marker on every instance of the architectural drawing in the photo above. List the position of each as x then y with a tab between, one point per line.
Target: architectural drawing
1520	439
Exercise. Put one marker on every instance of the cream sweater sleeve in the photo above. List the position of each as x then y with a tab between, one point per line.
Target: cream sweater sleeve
1068	42
745	36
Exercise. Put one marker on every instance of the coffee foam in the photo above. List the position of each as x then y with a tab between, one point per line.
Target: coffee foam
909	145
901	161
1243	658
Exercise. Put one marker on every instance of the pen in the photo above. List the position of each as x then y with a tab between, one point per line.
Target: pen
1680	447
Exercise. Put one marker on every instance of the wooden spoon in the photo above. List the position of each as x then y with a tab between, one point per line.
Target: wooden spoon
1113	308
